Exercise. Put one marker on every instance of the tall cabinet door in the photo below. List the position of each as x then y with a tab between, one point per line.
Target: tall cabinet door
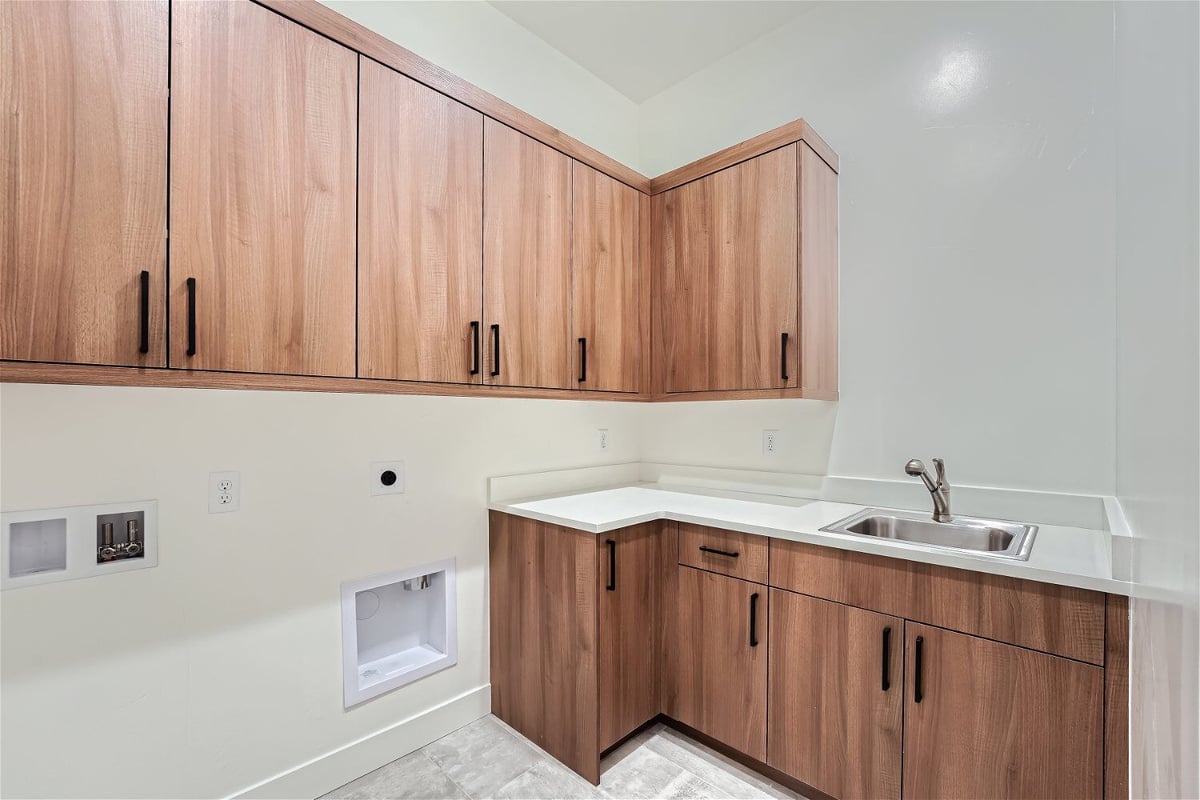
835	696
720	676
729	277
984	719
420	232
604	281
84	177
526	260
263	137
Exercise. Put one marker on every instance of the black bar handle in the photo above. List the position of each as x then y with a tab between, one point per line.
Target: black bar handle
191	316
919	673
495	350
612	566
783	340
886	677
475	347
144	279
715	552
754	620
582	359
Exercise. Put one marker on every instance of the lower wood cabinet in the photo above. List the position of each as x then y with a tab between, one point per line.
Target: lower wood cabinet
984	719
835	696
720	660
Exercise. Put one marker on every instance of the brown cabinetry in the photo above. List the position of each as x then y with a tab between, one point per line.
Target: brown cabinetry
989	720
526	260
835	696
263	137
719	684
605	305
420	232
84	177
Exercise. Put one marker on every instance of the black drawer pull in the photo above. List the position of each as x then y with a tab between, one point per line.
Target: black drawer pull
716	552
754	620
783	341
919	672
191	316
886	678
475	347
144	346
612	566
495	350
582	359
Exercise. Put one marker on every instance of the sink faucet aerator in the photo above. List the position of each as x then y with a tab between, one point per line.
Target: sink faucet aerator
940	491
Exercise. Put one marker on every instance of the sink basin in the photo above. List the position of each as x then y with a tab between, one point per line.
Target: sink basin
994	538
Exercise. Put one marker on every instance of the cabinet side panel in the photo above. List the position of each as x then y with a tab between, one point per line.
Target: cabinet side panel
1116	698
818	276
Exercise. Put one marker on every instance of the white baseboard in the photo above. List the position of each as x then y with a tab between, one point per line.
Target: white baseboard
338	767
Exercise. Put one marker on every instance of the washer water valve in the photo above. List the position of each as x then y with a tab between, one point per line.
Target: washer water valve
132	547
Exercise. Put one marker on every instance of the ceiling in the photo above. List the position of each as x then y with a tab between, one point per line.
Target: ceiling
640	47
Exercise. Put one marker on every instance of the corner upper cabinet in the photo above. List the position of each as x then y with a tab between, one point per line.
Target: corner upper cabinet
420	232
84	174
604	281
526	261
263	139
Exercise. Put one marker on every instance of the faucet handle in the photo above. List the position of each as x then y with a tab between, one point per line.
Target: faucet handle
940	466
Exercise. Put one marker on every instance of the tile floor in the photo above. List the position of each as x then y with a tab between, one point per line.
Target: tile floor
488	759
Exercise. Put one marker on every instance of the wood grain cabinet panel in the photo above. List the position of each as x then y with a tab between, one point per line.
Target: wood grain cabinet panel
835	696
263	137
605	306
84	177
720	660
526	261
420	232
989	720
818	345
728	262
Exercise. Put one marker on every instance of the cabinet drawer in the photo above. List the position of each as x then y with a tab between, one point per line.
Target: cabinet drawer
1054	619
742	555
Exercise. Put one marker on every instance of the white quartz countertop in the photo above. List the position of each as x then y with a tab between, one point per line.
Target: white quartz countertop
1061	555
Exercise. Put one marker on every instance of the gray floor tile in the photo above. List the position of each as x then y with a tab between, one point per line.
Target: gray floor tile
726	775
646	774
482	757
415	776
548	780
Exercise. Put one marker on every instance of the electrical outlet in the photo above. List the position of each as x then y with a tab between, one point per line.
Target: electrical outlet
603	438
224	492
771	443
387	477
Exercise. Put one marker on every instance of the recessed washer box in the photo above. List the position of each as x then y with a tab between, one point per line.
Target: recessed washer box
397	628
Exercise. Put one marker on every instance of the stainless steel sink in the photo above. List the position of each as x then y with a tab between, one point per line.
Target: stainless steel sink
994	538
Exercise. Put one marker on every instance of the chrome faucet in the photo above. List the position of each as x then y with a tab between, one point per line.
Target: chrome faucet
939	490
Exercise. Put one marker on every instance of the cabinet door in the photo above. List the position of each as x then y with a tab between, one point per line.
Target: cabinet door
990	720
835	696
526	260
263	137
720	685
420	231
604	280
84	177
632	563
729	272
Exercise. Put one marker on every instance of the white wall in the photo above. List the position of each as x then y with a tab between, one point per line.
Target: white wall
977	264
222	666
476	42
1158	389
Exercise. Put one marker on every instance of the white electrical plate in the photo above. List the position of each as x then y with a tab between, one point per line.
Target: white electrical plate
387	477
224	492
67	550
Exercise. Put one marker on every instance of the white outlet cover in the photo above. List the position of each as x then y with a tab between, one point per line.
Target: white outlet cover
378	477
224	492
771	442
602	438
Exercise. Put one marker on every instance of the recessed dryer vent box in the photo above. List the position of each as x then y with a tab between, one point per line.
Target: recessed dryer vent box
397	628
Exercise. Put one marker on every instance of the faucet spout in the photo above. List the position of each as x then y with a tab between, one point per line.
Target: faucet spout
939	490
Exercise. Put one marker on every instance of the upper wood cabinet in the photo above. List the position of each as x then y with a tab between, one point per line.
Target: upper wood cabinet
526	261
818	345
720	660
728	270
989	720
835	696
263	137
420	232
604	281
84	177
